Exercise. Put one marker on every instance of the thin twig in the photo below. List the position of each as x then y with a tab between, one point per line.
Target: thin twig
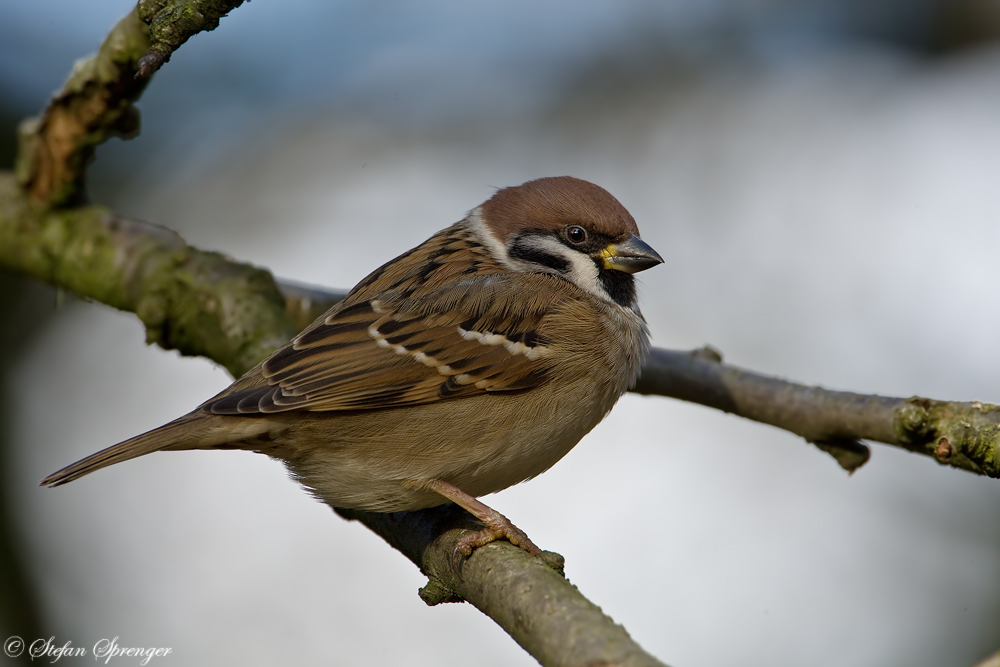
961	435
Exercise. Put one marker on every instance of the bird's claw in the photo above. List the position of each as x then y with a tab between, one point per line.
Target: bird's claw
498	528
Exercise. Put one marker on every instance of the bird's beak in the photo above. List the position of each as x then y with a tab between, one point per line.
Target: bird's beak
631	256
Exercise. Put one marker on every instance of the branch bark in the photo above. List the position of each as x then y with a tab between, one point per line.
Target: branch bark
173	22
200	303
959	434
528	597
95	104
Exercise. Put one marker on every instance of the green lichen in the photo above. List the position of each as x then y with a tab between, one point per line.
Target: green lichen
199	303
962	435
173	22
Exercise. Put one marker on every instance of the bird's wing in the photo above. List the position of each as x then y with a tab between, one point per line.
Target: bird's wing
466	338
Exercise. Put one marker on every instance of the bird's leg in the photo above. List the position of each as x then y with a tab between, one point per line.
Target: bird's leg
497	525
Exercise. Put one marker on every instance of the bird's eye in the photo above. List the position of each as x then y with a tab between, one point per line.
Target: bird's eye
576	234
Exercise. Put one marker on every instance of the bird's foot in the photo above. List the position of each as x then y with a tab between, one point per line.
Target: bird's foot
497	527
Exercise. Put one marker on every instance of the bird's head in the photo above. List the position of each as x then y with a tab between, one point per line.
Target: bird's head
570	228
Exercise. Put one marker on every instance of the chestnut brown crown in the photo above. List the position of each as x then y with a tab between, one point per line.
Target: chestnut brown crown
549	204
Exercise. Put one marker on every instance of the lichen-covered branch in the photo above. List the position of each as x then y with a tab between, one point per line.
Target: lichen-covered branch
95	104
173	22
200	303
97	101
528	597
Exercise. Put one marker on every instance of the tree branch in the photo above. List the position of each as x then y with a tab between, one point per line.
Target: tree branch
528	597
962	435
173	22
94	105
200	303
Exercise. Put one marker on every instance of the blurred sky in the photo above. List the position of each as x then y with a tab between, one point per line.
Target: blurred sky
434	61
284	53
821	182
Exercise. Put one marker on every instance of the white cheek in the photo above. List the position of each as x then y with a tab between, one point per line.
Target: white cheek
584	273
497	249
582	270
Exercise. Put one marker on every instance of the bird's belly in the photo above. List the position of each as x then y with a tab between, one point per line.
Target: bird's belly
371	460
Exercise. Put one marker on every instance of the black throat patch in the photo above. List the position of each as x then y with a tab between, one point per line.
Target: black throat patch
619	285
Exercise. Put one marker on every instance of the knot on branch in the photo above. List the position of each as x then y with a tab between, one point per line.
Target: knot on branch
963	435
435	593
849	454
913	420
707	353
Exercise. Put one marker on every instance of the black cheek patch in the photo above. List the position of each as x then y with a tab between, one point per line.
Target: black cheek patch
521	249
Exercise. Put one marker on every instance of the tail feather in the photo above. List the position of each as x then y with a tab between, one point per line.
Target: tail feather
178	434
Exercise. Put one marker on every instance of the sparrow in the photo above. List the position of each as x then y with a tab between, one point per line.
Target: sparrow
466	365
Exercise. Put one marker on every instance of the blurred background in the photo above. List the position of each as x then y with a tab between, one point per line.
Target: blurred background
821	177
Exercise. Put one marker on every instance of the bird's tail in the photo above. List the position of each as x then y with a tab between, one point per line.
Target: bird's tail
178	434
